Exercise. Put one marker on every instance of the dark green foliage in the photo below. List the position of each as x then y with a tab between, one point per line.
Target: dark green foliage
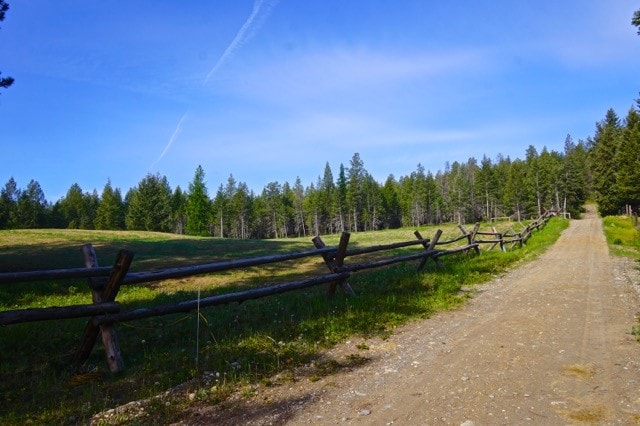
31	210
627	160
9	196
149	205
78	209
198	208
4	81
178	210
573	185
110	214
391	204
603	163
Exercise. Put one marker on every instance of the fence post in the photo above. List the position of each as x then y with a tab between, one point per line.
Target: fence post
429	246
100	294
472	237
335	263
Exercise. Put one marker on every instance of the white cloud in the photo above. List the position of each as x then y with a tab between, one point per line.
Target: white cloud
338	71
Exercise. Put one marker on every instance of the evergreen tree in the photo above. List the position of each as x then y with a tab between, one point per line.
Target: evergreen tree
110	213
485	189
551	165
242	212
32	207
341	198
272	196
327	201
573	184
355	183
312	209
220	209
532	188
287	210
9	196
179	201
628	162
198	205
298	207
603	161
149	205
372	203
72	206
391	211
514	200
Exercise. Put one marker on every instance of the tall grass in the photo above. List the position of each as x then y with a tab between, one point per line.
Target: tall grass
238	344
622	235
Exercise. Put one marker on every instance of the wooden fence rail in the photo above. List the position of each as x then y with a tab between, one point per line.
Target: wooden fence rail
105	282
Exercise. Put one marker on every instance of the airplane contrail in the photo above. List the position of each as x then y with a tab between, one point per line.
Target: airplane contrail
171	140
241	36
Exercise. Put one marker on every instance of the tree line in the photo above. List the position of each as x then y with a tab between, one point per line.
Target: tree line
351	201
615	161
605	167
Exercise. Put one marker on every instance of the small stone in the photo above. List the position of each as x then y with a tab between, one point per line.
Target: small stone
365	412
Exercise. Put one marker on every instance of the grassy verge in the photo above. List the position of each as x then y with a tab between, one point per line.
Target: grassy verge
622	235
237	345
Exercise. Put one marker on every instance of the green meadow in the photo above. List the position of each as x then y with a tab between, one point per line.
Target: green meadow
237	346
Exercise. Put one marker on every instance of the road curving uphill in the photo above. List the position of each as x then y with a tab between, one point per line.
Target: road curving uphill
548	343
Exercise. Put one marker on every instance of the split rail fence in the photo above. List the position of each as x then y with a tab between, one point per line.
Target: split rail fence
105	282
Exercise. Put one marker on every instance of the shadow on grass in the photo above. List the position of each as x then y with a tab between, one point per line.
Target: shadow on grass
239	343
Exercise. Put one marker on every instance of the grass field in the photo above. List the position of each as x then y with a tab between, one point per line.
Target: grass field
237	345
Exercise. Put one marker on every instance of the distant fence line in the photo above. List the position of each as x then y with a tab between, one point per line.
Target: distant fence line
105	282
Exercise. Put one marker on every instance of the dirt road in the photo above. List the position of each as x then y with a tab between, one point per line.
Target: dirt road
548	343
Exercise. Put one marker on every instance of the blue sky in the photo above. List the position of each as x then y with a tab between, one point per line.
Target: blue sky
272	90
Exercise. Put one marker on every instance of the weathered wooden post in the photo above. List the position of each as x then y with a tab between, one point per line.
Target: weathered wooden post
472	237
429	246
102	293
500	241
336	263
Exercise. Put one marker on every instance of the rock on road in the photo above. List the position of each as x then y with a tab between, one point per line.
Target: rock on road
548	343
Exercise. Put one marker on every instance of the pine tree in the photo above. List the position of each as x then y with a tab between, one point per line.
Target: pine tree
272	195
628	161
573	183
9	196
32	207
355	182
298	207
372	203
220	209
110	213
514	200
179	201
72	207
391	210
198	205
341	198
149	205
603	156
